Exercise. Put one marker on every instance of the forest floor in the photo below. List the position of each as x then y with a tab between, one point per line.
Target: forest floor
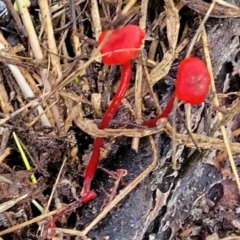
54	91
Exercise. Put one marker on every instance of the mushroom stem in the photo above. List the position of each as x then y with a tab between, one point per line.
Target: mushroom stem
121	91
191	86
92	166
164	114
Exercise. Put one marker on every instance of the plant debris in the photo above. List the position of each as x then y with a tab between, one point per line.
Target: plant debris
54	91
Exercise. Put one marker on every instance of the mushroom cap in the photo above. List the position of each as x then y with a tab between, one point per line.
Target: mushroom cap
193	81
122	45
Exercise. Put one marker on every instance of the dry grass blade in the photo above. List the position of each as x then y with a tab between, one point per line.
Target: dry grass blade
128	6
229	5
226	118
230	238
72	232
219	114
6	205
33	103
88	126
96	19
24	86
34	220
46	209
151	91
5	104
173	23
172	19
193	42
91	128
162	68
200	28
139	77
5	154
37	51
203	142
52	47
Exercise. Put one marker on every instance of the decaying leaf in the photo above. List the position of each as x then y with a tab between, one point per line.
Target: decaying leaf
218	12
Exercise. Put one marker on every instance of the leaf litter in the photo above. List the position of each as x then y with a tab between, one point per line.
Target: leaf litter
70	89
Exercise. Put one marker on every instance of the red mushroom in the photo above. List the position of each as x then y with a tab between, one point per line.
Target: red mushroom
120	48
192	86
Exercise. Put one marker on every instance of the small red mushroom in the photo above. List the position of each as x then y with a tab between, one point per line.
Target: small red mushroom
121	47
192	85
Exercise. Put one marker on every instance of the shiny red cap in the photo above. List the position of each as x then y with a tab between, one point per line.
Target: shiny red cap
193	81
122	45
